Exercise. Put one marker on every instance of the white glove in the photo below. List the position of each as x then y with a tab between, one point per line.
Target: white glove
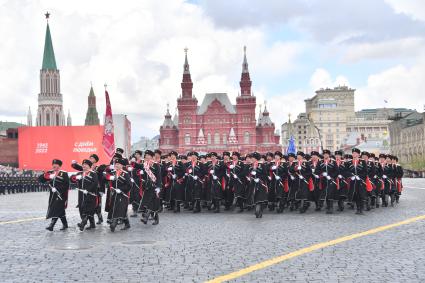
384	176
215	177
353	178
299	167
256	180
253	173
211	171
111	178
292	177
141	172
324	174
277	178
85	192
231	166
101	194
157	190
133	160
357	178
174	176
195	178
190	171
132	180
170	168
235	176
328	177
301	177
54	190
340	176
270	178
78	177
316	176
186	174
52	176
118	191
376	176
130	168
74	161
274	167
111	166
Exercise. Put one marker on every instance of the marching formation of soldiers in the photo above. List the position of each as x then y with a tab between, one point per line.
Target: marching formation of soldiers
12	183
150	182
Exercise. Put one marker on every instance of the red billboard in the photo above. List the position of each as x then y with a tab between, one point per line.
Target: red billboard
38	146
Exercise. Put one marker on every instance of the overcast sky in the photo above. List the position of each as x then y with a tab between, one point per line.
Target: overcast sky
136	47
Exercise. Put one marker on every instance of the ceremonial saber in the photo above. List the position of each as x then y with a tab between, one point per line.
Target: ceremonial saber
56	192
121	193
92	194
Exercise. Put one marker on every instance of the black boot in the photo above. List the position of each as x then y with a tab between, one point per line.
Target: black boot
64	223
83	223
145	217
197	207
100	218
392	199
126	224
114	224
177	207
217	206
367	204
155	218
340	205
240	204
329	207
52	224
92	225
359	206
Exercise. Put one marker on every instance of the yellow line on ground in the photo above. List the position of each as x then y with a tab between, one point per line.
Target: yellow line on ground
21	220
309	249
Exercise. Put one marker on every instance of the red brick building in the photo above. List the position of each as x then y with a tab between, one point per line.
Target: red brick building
217	124
9	148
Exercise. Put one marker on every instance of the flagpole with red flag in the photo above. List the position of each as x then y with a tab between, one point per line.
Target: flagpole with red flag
108	141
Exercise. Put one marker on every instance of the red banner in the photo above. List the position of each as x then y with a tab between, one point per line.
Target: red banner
108	134
38	146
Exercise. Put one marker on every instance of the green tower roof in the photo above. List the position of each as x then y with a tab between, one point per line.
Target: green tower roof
49	62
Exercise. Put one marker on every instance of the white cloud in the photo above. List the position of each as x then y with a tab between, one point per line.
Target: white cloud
413	8
401	86
136	48
321	78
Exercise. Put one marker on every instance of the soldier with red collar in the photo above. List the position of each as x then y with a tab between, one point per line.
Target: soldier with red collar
58	182
87	182
119	189
268	163
370	174
357	172
215	171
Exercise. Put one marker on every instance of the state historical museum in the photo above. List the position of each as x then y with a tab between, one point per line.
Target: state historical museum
217	124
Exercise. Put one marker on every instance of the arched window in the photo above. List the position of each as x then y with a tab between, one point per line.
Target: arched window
216	138
246	138
187	138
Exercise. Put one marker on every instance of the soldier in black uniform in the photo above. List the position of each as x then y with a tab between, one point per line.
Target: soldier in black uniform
357	172
119	188
216	185
152	184
302	182
87	181
329	172
238	180
136	186
398	175
318	191
58	181
278	171
175	181
257	185
195	171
